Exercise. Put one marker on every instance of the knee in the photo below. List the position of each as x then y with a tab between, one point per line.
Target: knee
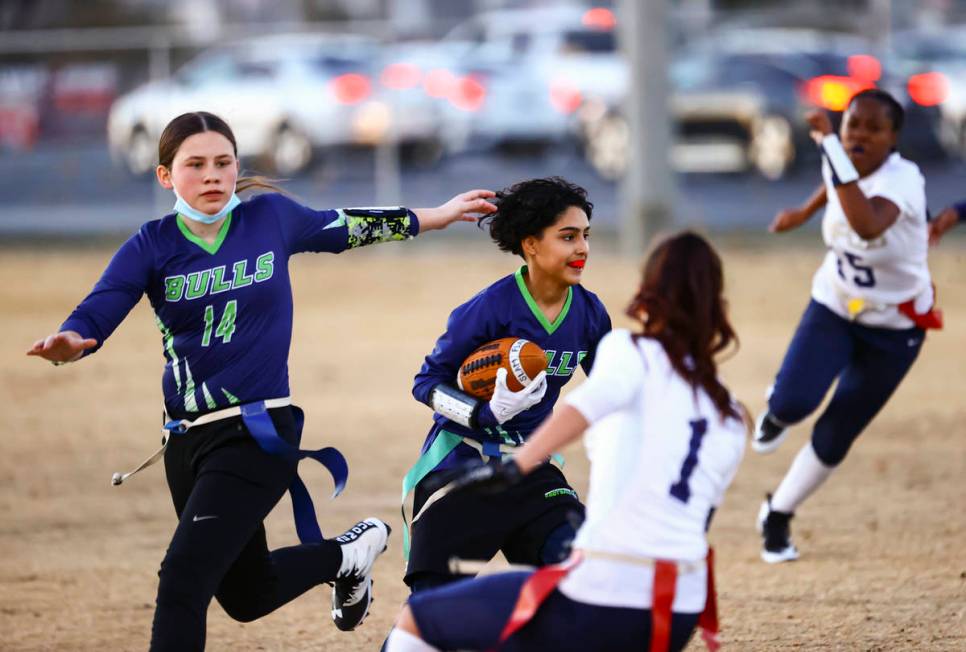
830	447
241	610
790	405
558	544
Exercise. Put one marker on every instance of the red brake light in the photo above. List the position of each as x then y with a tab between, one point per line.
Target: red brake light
351	88
468	94
565	98
599	18
439	82
400	76
929	88
864	67
832	92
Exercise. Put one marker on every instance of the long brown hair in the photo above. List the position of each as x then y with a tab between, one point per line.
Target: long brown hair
680	304
189	124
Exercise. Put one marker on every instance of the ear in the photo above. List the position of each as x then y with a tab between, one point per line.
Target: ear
164	177
529	245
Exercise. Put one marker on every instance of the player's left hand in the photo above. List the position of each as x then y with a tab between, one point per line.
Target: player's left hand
464	207
942	223
489	478
819	123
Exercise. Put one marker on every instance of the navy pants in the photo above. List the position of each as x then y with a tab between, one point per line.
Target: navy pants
223	486
869	364
483	605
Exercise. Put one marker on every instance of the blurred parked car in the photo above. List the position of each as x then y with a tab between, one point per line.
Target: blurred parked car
529	69
286	97
934	64
22	89
739	100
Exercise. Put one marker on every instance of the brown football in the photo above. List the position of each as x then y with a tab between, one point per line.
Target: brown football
522	359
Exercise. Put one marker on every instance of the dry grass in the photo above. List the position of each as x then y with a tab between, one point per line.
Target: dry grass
882	564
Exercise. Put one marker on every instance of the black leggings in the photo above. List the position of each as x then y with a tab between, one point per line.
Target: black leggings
223	486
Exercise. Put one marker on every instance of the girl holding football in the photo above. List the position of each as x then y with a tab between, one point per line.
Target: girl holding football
665	441
872	301
547	223
215	271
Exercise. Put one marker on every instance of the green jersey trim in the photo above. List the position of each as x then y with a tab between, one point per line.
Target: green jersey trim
210	247
535	309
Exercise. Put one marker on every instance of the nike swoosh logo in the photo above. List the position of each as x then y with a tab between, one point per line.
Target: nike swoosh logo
203	518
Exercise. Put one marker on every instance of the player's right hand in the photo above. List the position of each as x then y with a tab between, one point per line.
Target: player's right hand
65	346
787	219
506	404
820	125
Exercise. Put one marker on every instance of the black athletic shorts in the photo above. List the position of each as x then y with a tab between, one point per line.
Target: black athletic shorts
475	526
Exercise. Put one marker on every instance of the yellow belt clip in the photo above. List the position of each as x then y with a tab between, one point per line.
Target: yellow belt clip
855	306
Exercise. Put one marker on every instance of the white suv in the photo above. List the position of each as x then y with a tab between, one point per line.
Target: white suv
285	97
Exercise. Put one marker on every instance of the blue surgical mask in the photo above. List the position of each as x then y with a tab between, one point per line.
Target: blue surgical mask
184	208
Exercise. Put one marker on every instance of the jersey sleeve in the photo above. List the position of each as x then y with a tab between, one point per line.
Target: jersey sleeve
602	326
470	325
335	230
902	186
616	379
115	293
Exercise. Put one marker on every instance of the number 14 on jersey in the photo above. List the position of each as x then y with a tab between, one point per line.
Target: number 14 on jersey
226	326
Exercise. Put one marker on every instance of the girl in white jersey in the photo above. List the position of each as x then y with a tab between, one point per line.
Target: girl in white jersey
665	441
872	299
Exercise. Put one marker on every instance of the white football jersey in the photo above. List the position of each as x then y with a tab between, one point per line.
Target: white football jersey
865	280
661	459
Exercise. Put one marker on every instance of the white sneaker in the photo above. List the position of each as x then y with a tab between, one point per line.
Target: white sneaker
769	433
776	534
352	590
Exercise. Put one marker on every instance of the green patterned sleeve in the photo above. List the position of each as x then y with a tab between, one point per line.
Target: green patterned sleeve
368	226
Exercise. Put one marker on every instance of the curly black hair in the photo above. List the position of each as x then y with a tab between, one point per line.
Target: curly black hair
896	113
528	207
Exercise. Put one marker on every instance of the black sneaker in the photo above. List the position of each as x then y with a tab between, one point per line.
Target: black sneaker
769	433
352	589
776	534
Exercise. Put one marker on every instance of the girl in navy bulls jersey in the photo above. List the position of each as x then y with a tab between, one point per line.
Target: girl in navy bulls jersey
216	273
547	223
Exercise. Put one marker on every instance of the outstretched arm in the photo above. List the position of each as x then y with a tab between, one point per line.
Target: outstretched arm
565	425
62	347
792	218
117	291
945	221
461	208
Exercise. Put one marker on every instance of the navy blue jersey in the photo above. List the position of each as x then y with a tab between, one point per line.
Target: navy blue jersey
506	309
225	309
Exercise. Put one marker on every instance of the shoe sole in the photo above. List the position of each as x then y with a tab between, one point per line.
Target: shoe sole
765	447
369	591
364	616
788	554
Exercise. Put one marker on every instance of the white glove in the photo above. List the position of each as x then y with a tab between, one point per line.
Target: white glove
506	404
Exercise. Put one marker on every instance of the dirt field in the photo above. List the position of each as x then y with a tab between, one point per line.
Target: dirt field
882	563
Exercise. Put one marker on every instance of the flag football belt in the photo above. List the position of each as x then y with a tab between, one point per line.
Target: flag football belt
538	587
444	444
855	306
259	423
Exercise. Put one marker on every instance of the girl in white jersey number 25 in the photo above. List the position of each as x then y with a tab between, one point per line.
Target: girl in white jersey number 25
665	441
872	300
